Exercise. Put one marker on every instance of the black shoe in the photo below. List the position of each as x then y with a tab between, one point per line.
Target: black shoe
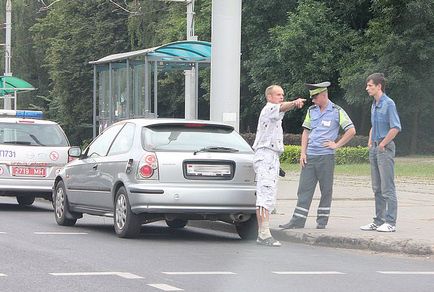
320	226
290	225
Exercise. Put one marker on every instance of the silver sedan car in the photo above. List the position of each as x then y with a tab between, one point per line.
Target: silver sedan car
144	170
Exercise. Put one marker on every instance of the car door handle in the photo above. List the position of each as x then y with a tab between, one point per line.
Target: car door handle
95	166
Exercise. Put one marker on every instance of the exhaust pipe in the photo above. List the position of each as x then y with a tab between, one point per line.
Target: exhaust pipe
239	217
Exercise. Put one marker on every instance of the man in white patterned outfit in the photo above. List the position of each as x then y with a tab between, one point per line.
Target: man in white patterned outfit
268	146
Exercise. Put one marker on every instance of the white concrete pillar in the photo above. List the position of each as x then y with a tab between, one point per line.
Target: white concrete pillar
225	62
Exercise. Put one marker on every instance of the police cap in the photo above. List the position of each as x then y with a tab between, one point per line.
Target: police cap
316	88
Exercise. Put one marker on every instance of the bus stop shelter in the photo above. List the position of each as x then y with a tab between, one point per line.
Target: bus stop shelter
126	84
10	86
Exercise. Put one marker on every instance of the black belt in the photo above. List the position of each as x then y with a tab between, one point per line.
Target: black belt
376	143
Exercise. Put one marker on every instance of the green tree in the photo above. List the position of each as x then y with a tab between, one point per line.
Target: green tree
72	34
26	63
399	42
307	48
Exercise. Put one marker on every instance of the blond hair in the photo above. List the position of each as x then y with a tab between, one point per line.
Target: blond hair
270	89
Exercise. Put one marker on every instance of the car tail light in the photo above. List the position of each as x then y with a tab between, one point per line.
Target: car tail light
148	166
146	171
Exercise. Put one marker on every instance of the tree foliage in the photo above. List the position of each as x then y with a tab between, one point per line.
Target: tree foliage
285	42
70	35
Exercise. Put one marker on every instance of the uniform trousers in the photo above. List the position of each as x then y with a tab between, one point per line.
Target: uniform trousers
319	168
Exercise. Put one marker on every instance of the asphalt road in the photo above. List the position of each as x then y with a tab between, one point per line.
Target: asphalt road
38	255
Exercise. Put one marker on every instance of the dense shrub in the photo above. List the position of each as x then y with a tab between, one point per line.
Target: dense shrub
344	155
295	139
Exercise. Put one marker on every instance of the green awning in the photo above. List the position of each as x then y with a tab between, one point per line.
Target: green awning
11	84
181	51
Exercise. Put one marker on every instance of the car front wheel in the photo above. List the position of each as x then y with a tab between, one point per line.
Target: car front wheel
61	206
127	224
248	229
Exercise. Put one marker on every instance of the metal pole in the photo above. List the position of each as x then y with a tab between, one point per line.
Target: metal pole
128	97
190	84
155	89
196	88
146	86
8	54
111	105
94	102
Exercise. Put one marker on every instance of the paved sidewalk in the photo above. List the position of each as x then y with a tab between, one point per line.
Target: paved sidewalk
353	206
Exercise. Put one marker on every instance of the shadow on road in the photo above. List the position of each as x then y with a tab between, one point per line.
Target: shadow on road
156	231
10	207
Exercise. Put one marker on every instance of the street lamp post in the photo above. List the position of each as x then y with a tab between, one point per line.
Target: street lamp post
8	55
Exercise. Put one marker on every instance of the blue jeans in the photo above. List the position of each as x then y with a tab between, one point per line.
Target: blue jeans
383	183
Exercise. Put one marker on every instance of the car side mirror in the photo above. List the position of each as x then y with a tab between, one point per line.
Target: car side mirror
74	151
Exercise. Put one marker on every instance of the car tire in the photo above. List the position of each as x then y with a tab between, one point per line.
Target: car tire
25	200
248	230
177	223
61	206
126	223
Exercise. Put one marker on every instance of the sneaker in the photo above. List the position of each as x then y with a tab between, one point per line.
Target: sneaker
269	241
386	227
369	227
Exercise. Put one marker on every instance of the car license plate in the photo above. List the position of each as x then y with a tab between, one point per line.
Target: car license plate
28	171
208	170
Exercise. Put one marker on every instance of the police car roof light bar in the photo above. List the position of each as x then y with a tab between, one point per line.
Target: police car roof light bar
25	114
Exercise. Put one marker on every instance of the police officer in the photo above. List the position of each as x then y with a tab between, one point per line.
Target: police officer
321	128
268	146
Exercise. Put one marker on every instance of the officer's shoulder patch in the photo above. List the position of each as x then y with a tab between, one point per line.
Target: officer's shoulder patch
336	107
312	107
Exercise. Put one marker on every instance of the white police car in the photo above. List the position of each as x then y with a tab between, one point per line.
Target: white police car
32	152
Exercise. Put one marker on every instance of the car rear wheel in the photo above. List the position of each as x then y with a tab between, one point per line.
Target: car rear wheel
176	223
127	224
25	200
248	229
61	206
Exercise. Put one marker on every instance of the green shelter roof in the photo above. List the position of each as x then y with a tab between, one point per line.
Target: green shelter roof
11	84
182	51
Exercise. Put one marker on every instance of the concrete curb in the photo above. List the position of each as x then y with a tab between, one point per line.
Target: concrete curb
378	244
406	246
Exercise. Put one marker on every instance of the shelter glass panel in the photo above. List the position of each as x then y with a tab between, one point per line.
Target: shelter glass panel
138	91
119	92
103	98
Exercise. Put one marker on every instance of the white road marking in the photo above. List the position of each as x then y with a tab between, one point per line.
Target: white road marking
3	275
60	233
2	232
120	274
199	273
165	287
309	273
404	273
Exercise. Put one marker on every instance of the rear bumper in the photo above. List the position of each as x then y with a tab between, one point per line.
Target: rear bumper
25	186
193	199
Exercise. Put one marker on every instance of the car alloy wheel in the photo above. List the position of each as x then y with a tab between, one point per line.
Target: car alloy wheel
60	203
121	211
61	207
127	224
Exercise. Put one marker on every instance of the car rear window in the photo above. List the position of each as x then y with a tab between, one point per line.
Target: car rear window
32	134
191	137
